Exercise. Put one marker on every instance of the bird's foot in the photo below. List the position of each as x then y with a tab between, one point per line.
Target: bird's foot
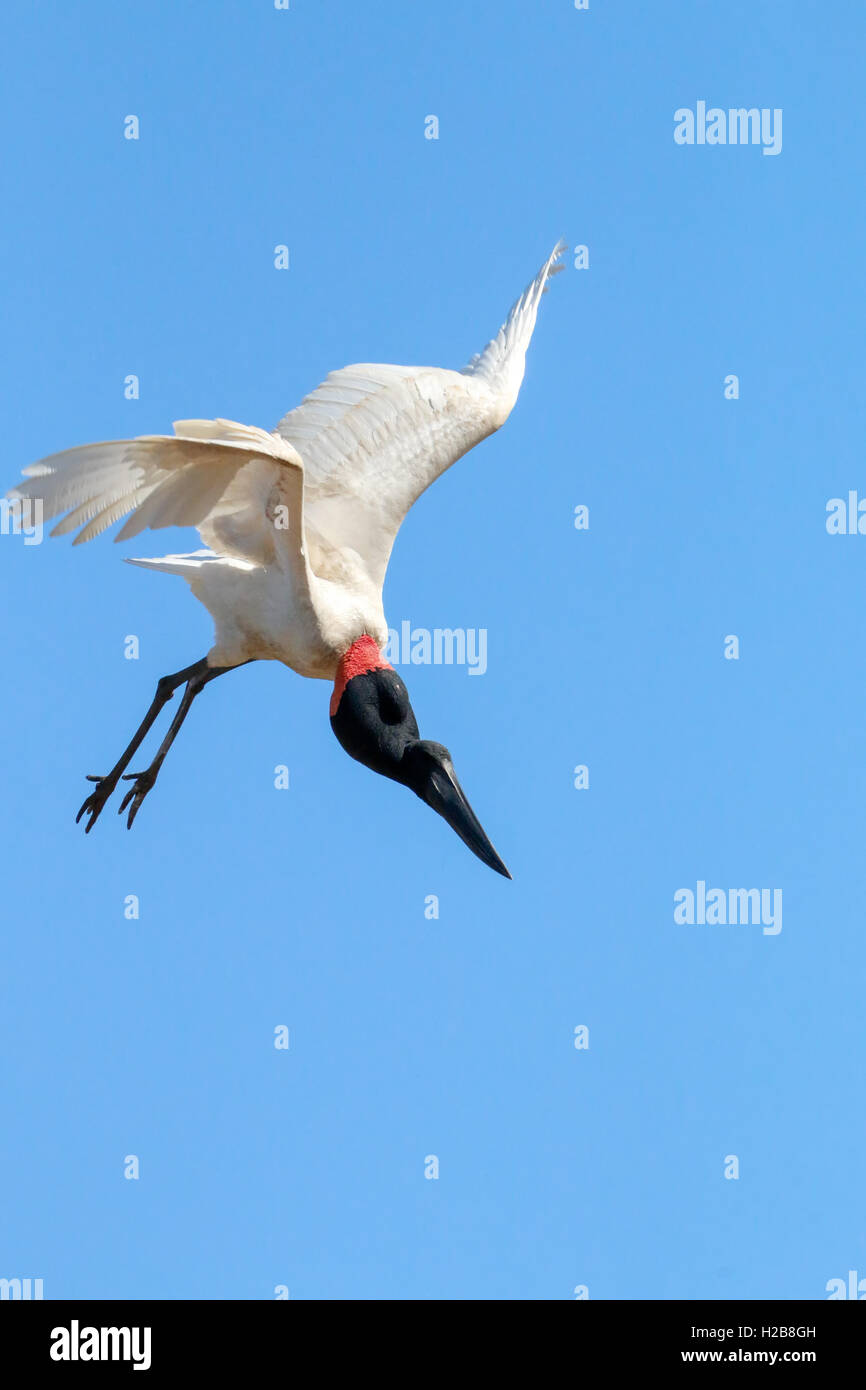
141	785
96	800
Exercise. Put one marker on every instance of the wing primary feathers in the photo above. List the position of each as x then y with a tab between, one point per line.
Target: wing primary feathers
162	480
503	358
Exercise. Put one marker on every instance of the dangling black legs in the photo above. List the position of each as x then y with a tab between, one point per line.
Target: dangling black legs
195	678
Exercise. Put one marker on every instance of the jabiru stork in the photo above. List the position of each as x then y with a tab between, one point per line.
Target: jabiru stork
299	524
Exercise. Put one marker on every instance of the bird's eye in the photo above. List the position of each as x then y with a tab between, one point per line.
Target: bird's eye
393	698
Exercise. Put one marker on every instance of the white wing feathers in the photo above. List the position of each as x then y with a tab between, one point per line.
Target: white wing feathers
163	480
349	461
373	437
503	360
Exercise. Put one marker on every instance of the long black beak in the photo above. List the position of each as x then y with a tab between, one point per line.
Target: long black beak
444	793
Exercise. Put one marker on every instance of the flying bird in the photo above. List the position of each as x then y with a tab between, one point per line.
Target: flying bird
299	524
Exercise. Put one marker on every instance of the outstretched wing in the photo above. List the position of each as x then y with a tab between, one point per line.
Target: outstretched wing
374	437
225	478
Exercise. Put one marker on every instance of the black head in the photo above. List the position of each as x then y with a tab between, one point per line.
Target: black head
374	721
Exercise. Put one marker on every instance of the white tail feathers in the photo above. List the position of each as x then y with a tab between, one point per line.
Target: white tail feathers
189	566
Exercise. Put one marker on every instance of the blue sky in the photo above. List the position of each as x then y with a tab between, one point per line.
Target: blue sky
454	1037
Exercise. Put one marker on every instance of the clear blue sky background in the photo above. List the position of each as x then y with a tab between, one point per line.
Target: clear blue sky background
454	1037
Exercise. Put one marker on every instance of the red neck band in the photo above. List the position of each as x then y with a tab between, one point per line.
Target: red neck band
361	657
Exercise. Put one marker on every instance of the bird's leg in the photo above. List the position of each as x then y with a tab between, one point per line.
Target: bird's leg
143	781
105	785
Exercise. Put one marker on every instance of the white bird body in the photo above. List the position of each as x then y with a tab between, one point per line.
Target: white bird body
299	522
261	613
